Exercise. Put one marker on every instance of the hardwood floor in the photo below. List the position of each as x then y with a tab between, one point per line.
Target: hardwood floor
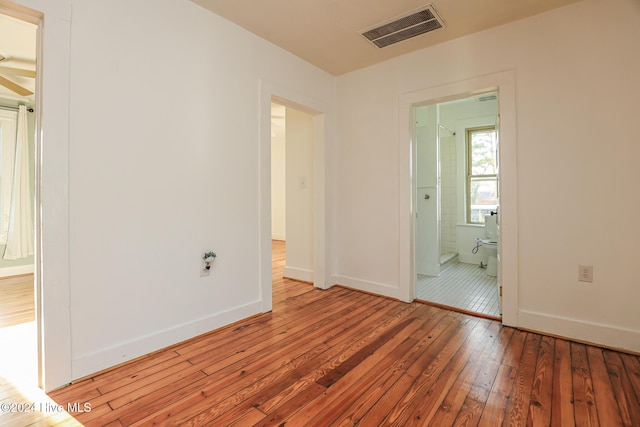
340	357
16	300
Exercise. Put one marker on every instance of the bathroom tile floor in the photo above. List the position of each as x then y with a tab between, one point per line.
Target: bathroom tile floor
461	285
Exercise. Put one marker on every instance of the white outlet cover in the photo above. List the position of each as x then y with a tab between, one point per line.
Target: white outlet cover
585	273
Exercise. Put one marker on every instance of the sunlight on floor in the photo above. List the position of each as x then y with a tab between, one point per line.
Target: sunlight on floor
18	359
22	402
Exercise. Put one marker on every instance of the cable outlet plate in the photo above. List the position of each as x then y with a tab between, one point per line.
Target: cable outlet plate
585	273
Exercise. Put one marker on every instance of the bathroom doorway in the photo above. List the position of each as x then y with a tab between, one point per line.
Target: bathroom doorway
456	186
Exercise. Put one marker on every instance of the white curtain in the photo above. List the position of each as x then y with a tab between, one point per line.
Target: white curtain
20	231
8	127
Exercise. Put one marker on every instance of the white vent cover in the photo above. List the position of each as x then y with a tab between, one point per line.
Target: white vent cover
415	23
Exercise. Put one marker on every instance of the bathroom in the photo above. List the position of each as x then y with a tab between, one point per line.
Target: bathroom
456	186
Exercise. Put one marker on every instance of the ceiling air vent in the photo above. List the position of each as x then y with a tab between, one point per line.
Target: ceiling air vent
417	22
490	97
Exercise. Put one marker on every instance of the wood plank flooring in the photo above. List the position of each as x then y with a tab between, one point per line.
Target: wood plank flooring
16	300
340	357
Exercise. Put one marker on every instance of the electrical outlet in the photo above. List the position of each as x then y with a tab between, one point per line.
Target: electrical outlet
585	273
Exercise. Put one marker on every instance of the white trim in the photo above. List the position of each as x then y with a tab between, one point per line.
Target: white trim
504	83
298	274
367	286
292	98
52	275
89	363
17	270
580	330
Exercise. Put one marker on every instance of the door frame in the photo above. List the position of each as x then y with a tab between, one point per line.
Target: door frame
504	84
291	98
51	269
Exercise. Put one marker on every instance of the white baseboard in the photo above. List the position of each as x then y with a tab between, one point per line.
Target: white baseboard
16	271
90	363
366	286
282	237
596	333
298	274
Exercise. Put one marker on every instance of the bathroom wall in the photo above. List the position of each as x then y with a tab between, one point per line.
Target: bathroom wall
448	194
427	228
451	174
458	116
467	235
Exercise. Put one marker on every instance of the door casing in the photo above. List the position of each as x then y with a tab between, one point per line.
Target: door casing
504	83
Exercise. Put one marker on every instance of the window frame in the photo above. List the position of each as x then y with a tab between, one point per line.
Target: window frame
469	167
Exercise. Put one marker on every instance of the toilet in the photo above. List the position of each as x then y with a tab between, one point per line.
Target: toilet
490	244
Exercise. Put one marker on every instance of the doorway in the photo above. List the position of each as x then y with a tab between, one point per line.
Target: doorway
314	183
18	331
456	187
292	186
504	83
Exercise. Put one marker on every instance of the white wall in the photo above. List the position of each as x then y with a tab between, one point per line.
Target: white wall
170	175
576	100
278	177
467	235
299	195
448	195
163	164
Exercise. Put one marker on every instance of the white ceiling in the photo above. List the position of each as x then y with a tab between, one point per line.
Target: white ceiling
18	44
327	33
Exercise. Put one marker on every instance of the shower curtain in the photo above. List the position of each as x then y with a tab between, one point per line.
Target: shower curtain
20	231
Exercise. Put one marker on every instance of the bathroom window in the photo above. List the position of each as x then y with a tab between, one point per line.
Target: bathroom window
482	173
